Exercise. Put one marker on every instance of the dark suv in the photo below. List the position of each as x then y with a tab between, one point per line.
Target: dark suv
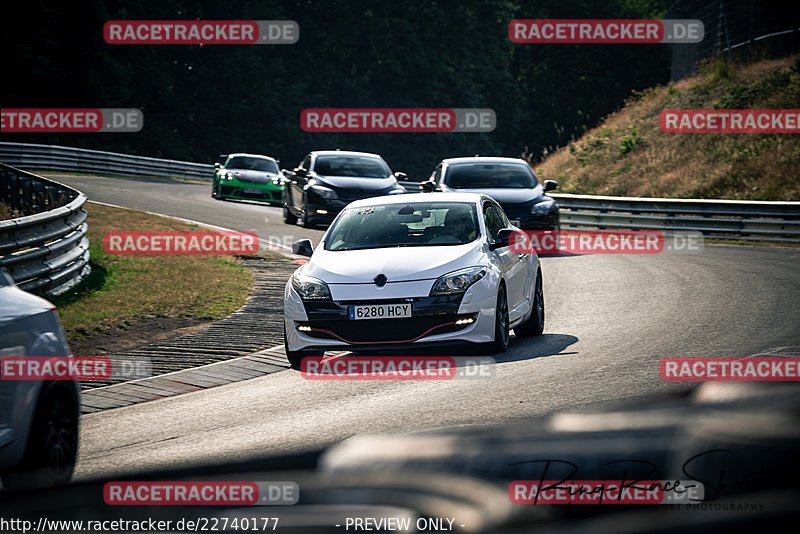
326	181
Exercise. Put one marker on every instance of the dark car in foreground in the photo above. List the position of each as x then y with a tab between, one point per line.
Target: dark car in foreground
248	177
326	181
735	440
510	181
38	418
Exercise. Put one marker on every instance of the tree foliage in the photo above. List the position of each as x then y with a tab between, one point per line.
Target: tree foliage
199	101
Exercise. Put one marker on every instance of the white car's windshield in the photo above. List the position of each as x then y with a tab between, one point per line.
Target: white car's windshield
489	175
404	225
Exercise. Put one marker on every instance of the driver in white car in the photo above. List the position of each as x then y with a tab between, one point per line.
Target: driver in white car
458	224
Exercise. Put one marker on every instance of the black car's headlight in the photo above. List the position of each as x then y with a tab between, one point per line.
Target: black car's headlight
323	192
545	206
310	288
457	281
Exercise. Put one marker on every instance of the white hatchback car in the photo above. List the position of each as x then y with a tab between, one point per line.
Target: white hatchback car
38	418
412	270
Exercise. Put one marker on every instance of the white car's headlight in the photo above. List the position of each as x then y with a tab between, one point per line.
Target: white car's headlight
457	281
397	191
310	288
544	206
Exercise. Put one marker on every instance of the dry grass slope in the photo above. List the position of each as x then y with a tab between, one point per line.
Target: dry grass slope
628	154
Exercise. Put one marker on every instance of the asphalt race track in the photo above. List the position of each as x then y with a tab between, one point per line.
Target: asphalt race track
610	320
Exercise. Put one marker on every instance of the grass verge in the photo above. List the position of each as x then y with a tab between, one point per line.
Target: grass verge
124	289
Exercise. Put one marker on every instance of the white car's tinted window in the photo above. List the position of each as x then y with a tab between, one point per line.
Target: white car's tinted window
493	219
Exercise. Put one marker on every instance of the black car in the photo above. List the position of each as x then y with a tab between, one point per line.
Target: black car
510	181
326	181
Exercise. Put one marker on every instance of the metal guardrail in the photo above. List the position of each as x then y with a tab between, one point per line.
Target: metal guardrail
744	220
722	219
45	248
65	159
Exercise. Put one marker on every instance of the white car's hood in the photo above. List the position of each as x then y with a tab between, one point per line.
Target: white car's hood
398	264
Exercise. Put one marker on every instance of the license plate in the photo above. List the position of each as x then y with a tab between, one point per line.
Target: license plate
379	311
251	190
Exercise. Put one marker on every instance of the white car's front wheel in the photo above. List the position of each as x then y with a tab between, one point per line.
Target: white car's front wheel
534	326
501	330
295	357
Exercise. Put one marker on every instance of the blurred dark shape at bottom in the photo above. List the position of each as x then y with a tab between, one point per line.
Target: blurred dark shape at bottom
740	440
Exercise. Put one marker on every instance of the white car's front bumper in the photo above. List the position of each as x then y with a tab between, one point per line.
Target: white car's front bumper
432	322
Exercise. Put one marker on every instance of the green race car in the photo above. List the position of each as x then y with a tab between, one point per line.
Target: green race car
248	177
